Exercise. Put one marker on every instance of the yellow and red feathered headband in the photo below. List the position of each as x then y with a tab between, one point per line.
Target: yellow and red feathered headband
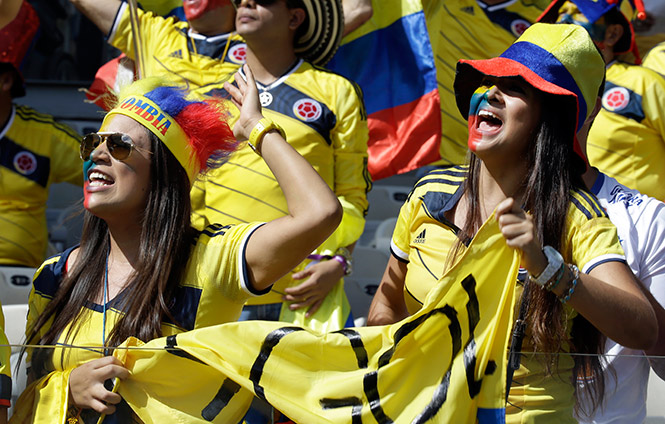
195	132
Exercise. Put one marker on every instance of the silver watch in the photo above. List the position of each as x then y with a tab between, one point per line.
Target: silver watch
554	262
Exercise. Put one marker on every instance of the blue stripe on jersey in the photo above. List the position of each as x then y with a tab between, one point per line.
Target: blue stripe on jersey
29	114
505	19
420	257
5	388
213	50
13	155
185	307
584	210
591	199
438	180
548	67
48	280
491	416
214	230
360	60
437	203
453	171
284	99
604	261
633	110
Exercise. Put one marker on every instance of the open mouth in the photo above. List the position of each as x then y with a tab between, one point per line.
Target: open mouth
97	179
488	122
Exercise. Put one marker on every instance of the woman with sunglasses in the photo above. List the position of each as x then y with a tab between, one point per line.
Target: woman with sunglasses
524	109
140	269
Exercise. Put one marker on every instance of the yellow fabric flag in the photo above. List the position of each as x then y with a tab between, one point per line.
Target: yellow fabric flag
446	363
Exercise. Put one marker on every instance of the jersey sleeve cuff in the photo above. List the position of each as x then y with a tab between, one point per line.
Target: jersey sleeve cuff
589	266
244	271
398	253
116	21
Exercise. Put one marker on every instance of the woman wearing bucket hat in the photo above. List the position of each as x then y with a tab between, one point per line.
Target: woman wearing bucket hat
524	109
140	269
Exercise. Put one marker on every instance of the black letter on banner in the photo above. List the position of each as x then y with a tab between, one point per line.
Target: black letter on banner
441	392
221	399
171	348
361	357
470	351
269	343
355	404
357	344
371	379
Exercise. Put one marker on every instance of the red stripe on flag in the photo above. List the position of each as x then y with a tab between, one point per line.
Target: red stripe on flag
405	137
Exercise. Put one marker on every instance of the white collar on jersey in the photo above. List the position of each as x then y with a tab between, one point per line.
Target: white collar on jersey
492	8
213	39
279	80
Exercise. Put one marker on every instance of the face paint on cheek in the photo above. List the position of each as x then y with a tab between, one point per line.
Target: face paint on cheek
478	100
87	166
195	9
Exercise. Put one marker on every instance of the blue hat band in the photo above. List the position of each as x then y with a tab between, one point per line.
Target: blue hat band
549	68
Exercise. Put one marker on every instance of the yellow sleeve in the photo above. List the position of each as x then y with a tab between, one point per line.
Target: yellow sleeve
218	261
67	166
352	179
591	237
656	59
400	243
156	30
653	101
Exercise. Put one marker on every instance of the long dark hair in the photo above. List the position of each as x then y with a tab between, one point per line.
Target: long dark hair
554	169
165	241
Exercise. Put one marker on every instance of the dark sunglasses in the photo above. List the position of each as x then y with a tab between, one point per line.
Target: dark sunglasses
237	3
120	145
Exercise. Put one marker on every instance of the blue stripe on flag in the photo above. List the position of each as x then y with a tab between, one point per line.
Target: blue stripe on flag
491	416
548	67
394	63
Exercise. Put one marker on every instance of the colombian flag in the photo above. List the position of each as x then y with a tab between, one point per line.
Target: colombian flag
444	364
390	56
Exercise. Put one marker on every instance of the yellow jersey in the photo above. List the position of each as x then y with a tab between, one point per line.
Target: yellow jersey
35	151
172	50
423	238
627	139
324	119
655	59
213	291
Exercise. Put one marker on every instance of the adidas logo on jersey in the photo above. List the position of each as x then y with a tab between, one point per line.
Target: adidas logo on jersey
176	54
420	239
469	10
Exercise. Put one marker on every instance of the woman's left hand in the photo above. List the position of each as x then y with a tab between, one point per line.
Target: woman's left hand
245	96
519	231
312	292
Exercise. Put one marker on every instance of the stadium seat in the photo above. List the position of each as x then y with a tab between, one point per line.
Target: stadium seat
384	234
15	319
385	201
360	286
15	284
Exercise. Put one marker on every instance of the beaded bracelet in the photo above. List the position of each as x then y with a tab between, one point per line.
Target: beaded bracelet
565	296
551	285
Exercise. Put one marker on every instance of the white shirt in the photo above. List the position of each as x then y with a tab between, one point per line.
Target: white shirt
640	222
